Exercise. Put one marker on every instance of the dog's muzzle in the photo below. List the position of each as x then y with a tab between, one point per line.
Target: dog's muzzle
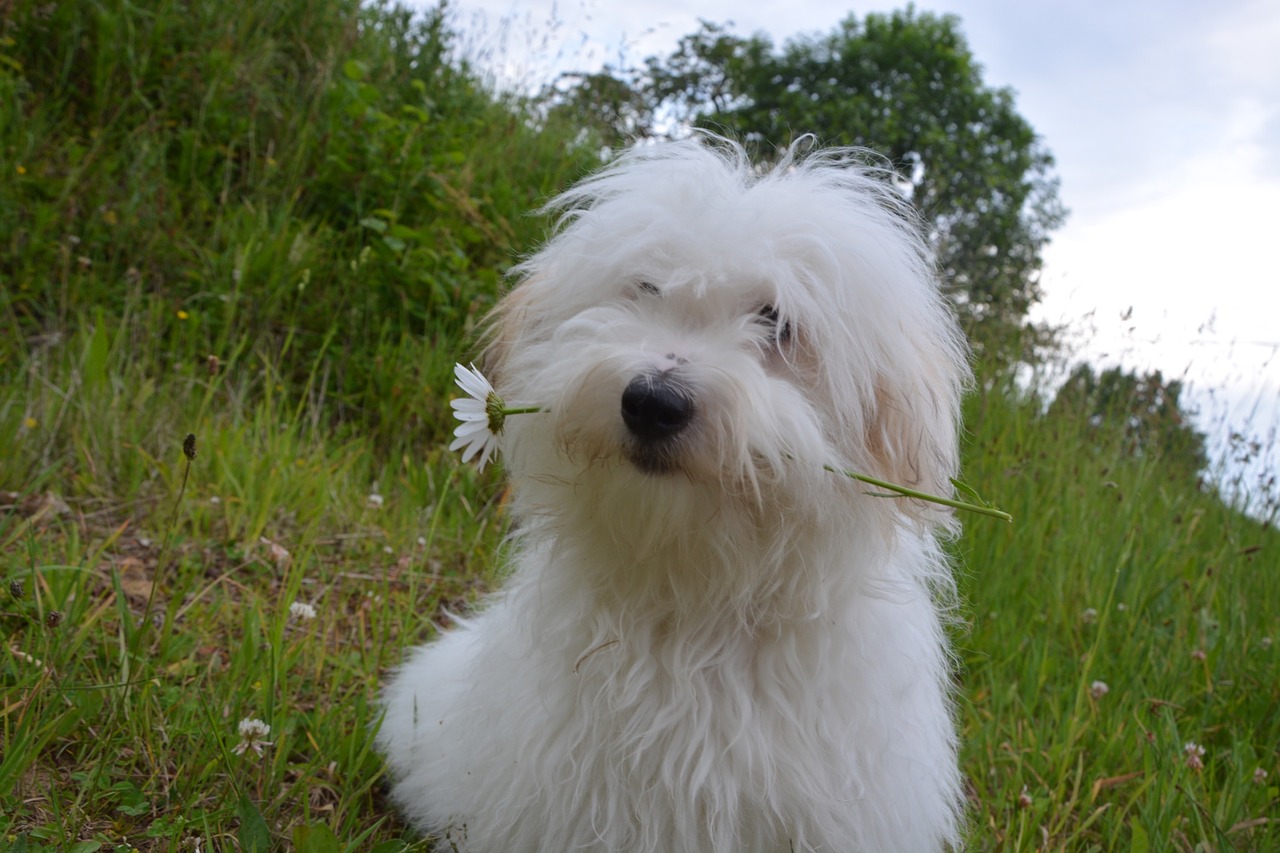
656	409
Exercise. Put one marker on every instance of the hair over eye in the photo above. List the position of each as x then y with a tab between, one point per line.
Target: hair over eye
779	327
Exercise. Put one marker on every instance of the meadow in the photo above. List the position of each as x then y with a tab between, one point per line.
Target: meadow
239	256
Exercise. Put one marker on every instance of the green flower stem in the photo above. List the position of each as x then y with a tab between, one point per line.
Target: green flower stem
925	496
498	412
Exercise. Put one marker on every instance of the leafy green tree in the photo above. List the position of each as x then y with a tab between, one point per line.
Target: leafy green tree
1144	410
602	104
907	86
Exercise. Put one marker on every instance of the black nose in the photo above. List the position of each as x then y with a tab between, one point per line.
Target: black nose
656	408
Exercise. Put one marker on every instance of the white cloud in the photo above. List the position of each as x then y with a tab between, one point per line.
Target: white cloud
1190	254
1245	41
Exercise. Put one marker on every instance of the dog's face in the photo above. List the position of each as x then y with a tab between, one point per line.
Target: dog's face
713	338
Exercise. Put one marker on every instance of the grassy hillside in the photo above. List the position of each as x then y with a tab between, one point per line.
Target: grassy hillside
274	230
1124	616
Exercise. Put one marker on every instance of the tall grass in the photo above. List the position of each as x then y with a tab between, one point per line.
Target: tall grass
1127	615
275	229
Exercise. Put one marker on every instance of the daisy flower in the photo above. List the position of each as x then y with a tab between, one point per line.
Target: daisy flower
482	413
476	436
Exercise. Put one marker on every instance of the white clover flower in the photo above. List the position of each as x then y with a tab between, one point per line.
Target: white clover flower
252	727
1194	754
1259	776
375	500
1099	689
1089	615
302	611
252	736
481	415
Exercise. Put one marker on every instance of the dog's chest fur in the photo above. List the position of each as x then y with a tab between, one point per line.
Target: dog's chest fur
644	729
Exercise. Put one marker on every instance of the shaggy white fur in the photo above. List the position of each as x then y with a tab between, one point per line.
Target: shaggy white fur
709	641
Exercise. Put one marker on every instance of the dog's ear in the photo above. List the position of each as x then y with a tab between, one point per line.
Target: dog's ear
913	435
506	325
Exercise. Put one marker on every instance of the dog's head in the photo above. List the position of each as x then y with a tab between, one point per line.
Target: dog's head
707	337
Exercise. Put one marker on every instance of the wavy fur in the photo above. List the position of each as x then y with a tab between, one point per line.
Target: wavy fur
727	647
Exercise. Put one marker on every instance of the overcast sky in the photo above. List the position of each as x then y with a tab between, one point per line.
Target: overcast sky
1163	117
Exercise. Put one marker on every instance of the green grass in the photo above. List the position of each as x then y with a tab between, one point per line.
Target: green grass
1116	572
119	727
114	730
276	231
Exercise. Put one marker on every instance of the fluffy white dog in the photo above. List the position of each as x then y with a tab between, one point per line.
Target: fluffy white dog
710	639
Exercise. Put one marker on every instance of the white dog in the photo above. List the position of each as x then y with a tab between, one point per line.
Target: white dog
711	640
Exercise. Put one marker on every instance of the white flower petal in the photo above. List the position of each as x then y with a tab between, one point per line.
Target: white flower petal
485	453
472	381
481	445
472	431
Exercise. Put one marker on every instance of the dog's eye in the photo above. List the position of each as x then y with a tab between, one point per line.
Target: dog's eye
647	288
778	327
